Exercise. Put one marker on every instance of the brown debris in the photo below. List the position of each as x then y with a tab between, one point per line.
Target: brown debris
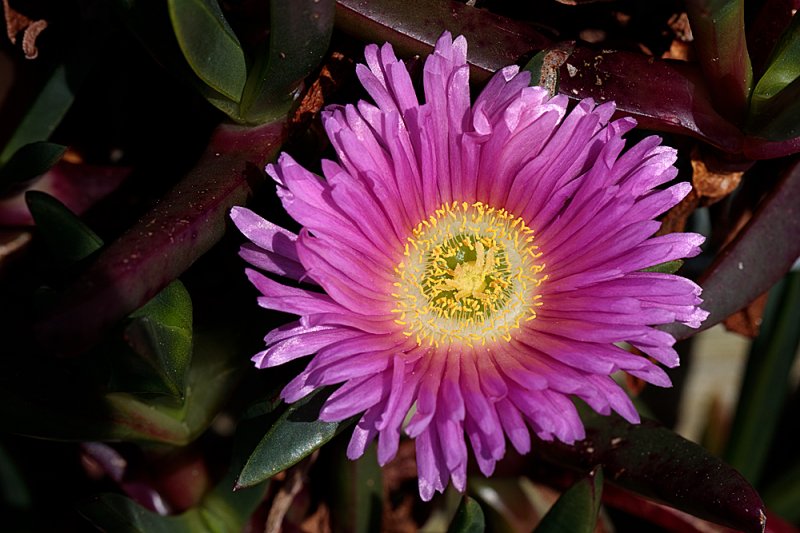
320	90
681	47
282	502
17	22
679	24
318	522
554	58
398	512
747	322
675	219
678	50
711	182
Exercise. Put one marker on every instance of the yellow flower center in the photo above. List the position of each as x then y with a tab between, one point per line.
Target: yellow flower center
469	275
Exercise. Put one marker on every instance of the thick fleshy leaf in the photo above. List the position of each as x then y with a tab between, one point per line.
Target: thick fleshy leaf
628	78
782	69
469	517
68	239
299	35
756	259
576	510
777	120
115	512
161	333
356	499
766	382
28	163
666	518
209	45
220	510
166	241
295	435
151	24
719	41
765	29
78	186
685	104
53	401
494	41
659	464
52	103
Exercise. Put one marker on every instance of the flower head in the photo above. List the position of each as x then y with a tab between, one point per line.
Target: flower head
478	264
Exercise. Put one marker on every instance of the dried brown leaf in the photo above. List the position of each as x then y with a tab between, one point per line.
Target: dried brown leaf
331	76
710	182
29	38
747	321
675	219
16	22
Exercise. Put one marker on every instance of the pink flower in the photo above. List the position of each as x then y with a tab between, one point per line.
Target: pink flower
474	264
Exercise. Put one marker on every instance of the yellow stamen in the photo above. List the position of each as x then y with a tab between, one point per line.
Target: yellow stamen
469	275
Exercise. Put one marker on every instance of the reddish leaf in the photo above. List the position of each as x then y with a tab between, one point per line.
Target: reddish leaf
683	104
494	42
659	464
719	42
78	186
756	259
414	27
165	242
674	520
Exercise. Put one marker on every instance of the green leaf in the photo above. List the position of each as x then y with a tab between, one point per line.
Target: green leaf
783	68
47	399
469	517
68	239
779	118
58	92
114	512
149	21
295	435
50	106
782	496
576	510
161	333
670	267
766	382
29	162
220	510
209	45
299	35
